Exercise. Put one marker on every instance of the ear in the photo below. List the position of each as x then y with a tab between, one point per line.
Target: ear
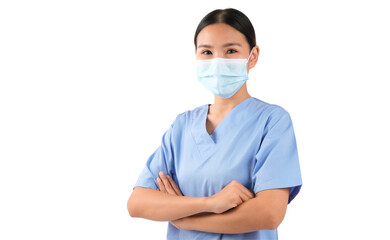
254	57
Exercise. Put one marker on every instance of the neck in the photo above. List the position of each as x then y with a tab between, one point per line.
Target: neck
222	106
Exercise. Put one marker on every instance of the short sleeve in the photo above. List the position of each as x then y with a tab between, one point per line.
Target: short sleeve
277	164
160	160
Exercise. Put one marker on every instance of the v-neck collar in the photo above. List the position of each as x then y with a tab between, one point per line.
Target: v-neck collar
223	125
208	144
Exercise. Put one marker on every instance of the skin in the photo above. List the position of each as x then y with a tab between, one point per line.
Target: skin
223	41
157	205
234	209
265	211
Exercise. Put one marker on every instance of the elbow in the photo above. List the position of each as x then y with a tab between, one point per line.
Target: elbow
274	220
132	206
273	224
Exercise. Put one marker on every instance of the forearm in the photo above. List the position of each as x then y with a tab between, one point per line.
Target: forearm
251	215
155	205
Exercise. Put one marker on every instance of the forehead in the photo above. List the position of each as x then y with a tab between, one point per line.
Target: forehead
219	34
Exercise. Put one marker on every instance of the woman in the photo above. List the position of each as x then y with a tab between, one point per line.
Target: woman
225	170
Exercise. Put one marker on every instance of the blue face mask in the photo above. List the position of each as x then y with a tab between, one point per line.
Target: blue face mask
223	76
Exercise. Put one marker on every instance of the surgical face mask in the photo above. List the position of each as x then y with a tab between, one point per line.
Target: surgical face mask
223	76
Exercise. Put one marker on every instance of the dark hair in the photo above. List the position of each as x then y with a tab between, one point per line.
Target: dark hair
232	17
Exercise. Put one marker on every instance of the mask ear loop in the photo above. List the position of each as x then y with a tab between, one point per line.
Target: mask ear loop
250	54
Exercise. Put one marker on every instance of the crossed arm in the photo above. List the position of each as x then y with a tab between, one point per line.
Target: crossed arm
265	211
233	210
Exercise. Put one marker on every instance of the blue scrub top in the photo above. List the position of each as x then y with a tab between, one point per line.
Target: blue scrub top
254	144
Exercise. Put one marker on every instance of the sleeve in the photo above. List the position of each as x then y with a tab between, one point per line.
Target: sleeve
277	163
160	160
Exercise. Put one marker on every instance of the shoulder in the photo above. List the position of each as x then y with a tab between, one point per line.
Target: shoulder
272	116
188	115
268	109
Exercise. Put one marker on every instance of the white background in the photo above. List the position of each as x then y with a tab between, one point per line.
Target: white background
87	88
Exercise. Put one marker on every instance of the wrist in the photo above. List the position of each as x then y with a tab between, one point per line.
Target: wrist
208	205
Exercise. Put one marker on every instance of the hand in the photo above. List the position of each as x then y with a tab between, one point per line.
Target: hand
166	184
229	197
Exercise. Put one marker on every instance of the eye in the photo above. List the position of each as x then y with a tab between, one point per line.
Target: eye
206	52
230	51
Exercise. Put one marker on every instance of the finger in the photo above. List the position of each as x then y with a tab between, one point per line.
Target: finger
245	196
166	183
161	185
244	193
174	186
248	194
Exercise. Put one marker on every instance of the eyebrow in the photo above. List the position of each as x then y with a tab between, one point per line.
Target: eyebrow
225	45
